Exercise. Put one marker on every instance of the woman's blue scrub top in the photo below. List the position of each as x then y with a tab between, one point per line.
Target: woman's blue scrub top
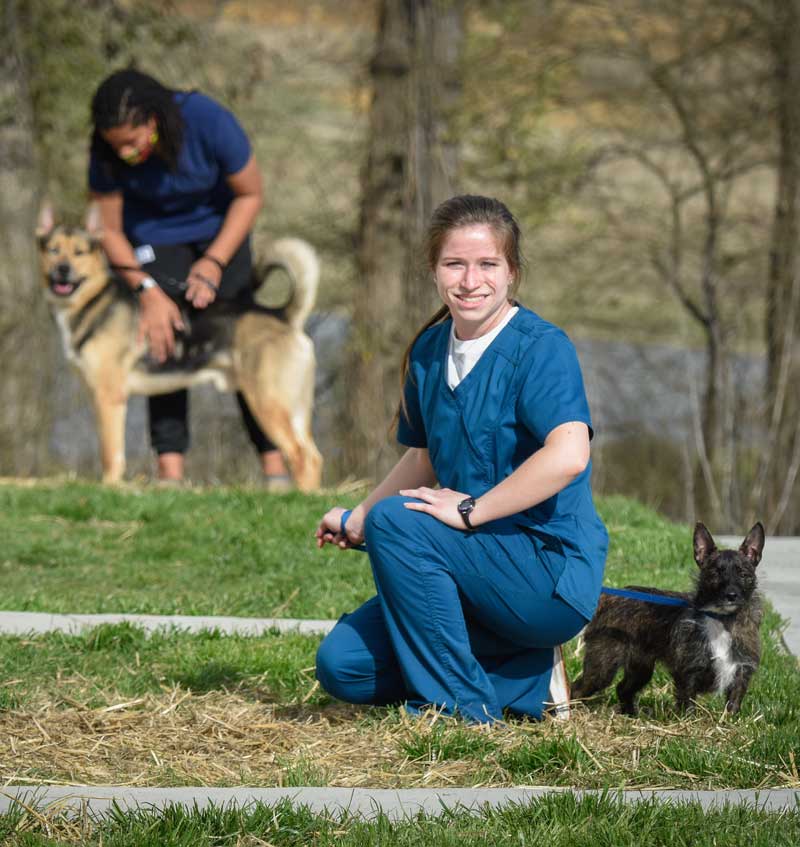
525	384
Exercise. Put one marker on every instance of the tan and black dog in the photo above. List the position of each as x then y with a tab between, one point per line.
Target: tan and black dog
264	353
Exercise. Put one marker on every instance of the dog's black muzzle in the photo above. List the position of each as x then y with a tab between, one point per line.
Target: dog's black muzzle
63	280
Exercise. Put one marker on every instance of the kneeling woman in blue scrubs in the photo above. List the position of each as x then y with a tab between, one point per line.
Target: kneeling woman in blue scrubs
481	579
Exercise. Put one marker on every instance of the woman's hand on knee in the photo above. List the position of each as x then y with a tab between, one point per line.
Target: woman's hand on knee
442	503
329	530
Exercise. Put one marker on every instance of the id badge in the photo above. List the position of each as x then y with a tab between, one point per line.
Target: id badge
144	254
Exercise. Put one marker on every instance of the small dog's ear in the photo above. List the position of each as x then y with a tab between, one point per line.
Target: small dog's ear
46	221
94	223
754	544
703	544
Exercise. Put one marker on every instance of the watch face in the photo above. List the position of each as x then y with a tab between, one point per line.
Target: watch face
465	507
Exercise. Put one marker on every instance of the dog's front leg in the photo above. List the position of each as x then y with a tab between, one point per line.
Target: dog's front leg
689	683
738	688
110	406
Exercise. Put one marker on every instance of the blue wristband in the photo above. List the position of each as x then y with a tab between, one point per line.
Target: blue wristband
345	515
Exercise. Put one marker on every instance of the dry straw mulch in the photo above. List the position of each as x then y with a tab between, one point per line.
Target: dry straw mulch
224	738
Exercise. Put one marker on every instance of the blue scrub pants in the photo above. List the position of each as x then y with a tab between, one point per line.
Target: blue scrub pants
463	621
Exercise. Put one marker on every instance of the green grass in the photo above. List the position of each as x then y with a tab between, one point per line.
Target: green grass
598	747
557	821
123	659
119	663
448	741
85	548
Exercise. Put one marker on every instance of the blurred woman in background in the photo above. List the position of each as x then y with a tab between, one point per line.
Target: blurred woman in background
178	190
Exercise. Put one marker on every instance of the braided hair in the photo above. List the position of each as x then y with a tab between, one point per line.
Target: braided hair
130	96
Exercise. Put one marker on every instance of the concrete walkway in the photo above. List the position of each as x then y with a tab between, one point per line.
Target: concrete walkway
366	803
24	623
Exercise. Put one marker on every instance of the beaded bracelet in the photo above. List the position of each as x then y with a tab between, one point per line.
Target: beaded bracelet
206	281
218	262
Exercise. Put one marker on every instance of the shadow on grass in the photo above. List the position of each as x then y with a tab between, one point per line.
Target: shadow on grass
213	676
333	712
228	677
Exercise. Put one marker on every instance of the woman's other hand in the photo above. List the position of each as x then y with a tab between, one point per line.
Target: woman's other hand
159	317
203	283
329	530
442	503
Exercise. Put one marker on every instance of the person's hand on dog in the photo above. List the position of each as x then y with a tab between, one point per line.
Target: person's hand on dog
203	282
329	529
442	503
158	319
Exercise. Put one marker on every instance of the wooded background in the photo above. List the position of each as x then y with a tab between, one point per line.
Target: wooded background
650	148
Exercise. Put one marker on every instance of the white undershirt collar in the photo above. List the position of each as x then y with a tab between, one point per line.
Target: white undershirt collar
462	356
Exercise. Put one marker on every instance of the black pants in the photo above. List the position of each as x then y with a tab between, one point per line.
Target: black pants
169	413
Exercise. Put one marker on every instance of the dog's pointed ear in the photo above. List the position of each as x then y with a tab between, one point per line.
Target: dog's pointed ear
703	544
94	222
46	221
754	544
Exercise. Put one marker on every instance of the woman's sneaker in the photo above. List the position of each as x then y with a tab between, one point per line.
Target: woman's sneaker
558	701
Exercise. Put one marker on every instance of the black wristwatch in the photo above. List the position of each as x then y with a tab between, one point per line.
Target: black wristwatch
465	507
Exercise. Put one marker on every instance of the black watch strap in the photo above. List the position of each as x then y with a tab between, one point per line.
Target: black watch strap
465	508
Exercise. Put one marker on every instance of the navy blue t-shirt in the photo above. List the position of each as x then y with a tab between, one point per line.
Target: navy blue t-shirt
161	206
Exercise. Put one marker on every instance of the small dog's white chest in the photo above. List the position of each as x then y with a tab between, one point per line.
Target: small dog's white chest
719	643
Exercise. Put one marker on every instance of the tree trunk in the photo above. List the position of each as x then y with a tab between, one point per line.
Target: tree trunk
781	331
24	327
435	90
408	171
783	254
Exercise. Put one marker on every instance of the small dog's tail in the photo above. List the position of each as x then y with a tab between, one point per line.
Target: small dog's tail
299	259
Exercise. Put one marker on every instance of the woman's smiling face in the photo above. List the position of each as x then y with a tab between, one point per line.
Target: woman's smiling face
473	279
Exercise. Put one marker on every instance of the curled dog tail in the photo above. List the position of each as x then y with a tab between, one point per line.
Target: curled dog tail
299	260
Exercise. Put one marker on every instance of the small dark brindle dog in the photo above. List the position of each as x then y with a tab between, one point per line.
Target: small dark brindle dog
711	644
